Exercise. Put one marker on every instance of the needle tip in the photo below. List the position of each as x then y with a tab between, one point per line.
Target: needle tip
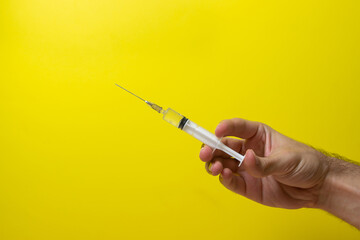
129	92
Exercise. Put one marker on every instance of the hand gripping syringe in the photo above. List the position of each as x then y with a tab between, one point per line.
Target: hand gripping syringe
191	128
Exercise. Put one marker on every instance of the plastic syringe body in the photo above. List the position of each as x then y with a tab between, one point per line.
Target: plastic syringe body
191	128
199	133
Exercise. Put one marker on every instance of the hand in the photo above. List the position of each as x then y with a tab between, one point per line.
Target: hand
277	171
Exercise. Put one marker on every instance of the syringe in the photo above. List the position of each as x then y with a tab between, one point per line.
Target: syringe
191	128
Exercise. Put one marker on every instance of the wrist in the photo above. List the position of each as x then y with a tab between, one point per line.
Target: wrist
329	184
340	192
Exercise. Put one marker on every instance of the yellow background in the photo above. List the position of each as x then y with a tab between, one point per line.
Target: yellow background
82	159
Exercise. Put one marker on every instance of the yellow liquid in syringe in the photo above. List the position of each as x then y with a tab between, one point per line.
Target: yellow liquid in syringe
172	117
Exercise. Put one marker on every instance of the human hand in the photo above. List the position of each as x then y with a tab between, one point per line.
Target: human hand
277	171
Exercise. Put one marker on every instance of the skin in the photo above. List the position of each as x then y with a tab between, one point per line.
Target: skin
278	171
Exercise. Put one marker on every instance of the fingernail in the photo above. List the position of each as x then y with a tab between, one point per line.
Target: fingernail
221	178
202	145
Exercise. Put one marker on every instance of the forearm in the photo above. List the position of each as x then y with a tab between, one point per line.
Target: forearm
340	193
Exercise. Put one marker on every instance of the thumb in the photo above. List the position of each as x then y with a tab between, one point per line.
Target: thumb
261	166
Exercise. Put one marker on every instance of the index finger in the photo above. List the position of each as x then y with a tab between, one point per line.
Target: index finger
237	127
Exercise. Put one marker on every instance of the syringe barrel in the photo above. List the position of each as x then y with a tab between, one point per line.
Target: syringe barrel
179	121
199	133
210	139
